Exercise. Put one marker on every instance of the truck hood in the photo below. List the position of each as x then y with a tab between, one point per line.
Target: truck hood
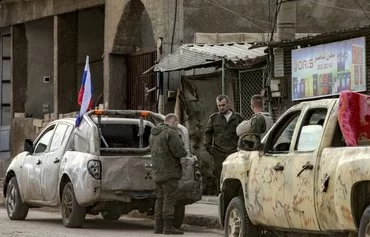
236	165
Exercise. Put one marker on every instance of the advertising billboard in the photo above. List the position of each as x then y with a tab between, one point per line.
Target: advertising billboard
328	69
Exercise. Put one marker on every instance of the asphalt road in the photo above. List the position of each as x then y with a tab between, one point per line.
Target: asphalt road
48	224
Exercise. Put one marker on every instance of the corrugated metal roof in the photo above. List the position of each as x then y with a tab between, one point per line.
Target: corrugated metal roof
197	55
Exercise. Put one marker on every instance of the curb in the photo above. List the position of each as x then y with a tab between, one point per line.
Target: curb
206	221
209	200
189	219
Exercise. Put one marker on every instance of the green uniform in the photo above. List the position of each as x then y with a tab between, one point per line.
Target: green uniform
220	139
220	134
167	149
259	124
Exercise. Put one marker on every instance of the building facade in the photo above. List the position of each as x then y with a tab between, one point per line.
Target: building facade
44	46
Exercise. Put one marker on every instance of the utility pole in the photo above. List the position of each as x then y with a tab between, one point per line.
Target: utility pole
286	20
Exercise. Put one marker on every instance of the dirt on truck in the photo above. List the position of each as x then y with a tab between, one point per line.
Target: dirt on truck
304	176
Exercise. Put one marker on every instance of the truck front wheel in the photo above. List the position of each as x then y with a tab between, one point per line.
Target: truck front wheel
365	223
237	222
16	208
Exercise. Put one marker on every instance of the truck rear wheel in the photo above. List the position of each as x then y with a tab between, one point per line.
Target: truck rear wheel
237	222
364	229
73	215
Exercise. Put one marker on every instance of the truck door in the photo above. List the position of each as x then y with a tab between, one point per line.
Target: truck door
51	161
266	187
300	172
31	172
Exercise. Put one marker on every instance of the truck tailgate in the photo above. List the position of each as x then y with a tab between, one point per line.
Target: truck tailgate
127	173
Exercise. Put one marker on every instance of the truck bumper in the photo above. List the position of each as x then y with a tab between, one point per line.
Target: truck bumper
221	209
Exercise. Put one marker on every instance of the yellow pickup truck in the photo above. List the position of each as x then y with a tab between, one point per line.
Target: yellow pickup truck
300	178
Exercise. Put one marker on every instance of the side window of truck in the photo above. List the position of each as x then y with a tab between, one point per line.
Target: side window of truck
280	139
311	130
44	141
62	132
337	140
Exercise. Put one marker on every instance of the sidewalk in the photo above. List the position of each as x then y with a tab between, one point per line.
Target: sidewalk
203	213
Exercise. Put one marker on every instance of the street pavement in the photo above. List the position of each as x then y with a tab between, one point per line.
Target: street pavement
48	223
202	213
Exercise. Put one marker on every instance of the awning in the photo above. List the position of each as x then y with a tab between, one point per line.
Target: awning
190	56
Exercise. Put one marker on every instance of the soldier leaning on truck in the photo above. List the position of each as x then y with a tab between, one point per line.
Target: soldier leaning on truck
167	149
220	137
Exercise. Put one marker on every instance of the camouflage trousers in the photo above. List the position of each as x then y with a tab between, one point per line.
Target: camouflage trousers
167	195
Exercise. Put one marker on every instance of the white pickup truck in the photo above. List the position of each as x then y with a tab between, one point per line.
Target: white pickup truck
102	166
300	178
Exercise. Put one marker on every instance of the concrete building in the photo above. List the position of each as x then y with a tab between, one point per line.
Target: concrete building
44	45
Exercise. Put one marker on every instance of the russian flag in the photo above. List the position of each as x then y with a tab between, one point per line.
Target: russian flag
85	93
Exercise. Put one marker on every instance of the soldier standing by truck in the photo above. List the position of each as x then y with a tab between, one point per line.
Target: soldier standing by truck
220	138
167	149
260	122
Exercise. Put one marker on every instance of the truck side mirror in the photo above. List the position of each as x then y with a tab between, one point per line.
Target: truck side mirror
249	142
28	145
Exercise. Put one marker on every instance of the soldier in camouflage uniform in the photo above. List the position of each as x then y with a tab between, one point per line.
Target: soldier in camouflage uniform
167	149
220	137
260	122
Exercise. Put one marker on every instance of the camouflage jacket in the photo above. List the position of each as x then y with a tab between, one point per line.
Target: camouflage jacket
167	149
221	134
259	124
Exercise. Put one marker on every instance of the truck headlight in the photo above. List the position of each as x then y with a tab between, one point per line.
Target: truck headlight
94	168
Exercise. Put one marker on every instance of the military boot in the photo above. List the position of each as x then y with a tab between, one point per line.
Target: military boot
158	226
169	229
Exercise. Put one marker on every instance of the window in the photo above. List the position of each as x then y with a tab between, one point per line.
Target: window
5	79
61	133
124	136
337	139
310	133
44	141
282	135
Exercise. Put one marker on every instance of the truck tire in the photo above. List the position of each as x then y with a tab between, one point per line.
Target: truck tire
237	222
15	207
73	215
364	229
178	216
111	215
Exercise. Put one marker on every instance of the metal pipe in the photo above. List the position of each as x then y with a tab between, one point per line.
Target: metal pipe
223	77
161	94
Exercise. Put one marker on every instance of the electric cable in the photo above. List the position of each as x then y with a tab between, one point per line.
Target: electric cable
337	7
361	9
239	15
